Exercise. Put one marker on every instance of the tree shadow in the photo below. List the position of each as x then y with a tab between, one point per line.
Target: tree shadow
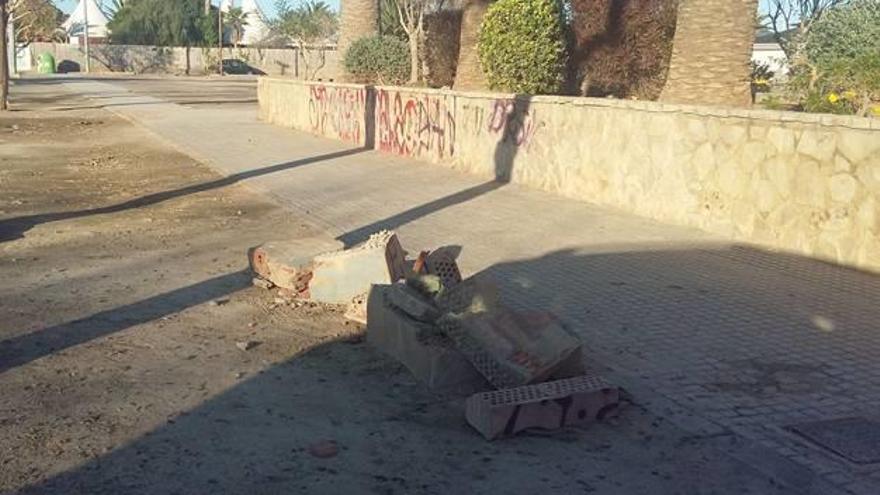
14	228
23	349
659	305
512	128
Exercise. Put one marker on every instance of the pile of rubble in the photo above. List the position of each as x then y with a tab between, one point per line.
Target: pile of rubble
524	368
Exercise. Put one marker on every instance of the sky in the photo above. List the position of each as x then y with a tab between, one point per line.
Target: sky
267	5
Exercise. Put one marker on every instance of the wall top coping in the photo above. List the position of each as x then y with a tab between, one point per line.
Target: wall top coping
770	116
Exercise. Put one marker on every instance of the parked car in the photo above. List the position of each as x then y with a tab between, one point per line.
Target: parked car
239	67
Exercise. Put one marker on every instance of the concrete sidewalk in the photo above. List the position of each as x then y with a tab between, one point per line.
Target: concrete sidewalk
730	342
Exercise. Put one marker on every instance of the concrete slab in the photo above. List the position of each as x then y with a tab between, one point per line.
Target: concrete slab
286	263
340	276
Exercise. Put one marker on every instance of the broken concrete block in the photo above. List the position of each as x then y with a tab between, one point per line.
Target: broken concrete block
357	309
419	346
286	264
412	302
339	276
546	406
441	262
571	366
511	348
474	295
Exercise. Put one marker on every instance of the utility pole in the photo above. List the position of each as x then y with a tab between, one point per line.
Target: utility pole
85	5
14	60
220	37
4	53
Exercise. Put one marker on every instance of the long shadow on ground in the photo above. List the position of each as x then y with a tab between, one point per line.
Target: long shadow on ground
14	228
23	349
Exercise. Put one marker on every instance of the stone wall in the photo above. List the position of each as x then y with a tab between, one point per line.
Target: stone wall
332	110
800	182
175	60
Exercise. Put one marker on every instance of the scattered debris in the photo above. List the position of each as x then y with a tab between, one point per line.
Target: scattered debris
412	302
418	266
324	449
419	346
246	345
442	262
262	283
547	406
357	309
453	334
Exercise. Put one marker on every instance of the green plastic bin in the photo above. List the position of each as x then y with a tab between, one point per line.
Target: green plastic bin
46	63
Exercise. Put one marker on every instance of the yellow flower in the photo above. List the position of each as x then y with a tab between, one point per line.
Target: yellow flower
876	110
833	98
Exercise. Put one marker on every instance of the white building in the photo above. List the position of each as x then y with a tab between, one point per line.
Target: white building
767	50
75	25
257	28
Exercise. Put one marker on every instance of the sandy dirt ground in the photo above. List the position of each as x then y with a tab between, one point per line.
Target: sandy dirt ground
123	293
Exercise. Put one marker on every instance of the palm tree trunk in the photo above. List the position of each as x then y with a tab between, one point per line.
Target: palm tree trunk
357	19
4	56
711	53
469	73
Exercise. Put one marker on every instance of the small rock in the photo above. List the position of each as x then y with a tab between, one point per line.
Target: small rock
324	449
239	375
247	345
279	300
262	283
219	302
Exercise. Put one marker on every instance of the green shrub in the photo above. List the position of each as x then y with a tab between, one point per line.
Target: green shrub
838	70
844	32
848	86
378	59
522	46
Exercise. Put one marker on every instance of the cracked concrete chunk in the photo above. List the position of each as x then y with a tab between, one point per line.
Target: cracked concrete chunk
412	302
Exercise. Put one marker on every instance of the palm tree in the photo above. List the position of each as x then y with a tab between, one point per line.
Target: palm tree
711	53
236	19
357	19
469	74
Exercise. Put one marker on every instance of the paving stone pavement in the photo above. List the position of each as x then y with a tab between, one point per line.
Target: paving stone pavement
721	338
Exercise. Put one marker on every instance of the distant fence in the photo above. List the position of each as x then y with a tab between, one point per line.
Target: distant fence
179	60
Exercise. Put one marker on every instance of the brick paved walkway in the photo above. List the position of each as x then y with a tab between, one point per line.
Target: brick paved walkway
719	338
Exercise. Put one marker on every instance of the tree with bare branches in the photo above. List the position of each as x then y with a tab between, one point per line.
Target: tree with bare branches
787	17
411	14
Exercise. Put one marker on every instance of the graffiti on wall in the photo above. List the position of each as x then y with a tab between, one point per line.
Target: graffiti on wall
414	125
337	112
513	121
